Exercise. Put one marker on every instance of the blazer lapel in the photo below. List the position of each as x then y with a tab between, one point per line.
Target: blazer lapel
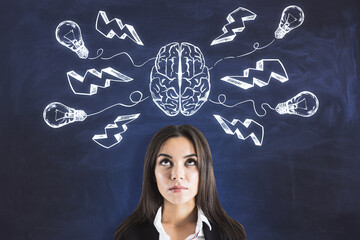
214	234
149	232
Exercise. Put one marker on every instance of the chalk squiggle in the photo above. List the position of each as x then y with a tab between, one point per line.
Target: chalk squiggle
135	102
100	52
256	47
222	99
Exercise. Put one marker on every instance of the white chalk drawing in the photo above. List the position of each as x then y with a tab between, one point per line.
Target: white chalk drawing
115	27
266	69
93	79
57	115
304	104
100	52
235	25
68	34
180	80
222	99
131	97
253	129
291	18
256	46
112	135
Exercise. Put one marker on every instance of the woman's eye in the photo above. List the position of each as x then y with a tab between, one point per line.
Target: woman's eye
191	162
165	162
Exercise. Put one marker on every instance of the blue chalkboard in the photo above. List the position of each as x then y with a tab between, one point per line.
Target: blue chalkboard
280	109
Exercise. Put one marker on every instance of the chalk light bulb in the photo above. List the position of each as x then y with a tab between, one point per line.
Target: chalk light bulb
57	115
68	34
291	18
304	104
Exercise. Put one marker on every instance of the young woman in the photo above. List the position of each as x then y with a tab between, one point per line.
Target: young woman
179	198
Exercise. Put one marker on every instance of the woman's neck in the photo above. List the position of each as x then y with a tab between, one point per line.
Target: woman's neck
179	214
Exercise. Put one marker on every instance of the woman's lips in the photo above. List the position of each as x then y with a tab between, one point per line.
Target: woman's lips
177	189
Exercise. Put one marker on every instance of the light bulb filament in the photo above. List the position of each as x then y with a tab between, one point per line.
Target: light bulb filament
298	105
288	22
71	32
57	115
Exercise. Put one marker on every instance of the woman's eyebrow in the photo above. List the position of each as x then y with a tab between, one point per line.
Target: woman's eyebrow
191	155
165	155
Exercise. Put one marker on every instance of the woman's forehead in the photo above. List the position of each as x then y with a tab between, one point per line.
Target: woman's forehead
177	145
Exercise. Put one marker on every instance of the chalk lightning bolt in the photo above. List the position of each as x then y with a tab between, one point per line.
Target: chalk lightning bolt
235	23
266	69
112	135
115	27
236	125
93	79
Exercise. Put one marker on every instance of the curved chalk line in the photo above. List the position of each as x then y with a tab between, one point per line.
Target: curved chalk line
256	47
100	52
222	99
135	102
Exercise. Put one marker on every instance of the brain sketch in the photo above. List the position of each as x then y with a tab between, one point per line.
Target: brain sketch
180	80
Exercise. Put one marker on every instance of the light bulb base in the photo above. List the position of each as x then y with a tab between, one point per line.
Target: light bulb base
282	108
280	33
82	52
79	115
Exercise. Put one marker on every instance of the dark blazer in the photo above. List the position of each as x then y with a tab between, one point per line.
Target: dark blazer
147	231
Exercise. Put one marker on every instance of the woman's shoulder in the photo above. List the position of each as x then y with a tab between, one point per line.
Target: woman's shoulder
139	231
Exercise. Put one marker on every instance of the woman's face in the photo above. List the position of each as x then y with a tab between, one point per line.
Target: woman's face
176	171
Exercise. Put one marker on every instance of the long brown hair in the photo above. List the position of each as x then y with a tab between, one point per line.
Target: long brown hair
206	199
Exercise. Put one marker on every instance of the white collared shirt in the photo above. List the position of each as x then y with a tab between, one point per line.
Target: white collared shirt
199	233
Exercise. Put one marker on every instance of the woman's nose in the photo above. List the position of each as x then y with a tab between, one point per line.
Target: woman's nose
177	172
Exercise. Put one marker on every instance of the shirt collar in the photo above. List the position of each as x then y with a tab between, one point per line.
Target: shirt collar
199	224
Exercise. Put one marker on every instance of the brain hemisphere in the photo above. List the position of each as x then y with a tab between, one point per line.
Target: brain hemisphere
179	81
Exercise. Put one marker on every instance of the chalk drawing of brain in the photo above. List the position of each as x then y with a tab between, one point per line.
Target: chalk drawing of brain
179	81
